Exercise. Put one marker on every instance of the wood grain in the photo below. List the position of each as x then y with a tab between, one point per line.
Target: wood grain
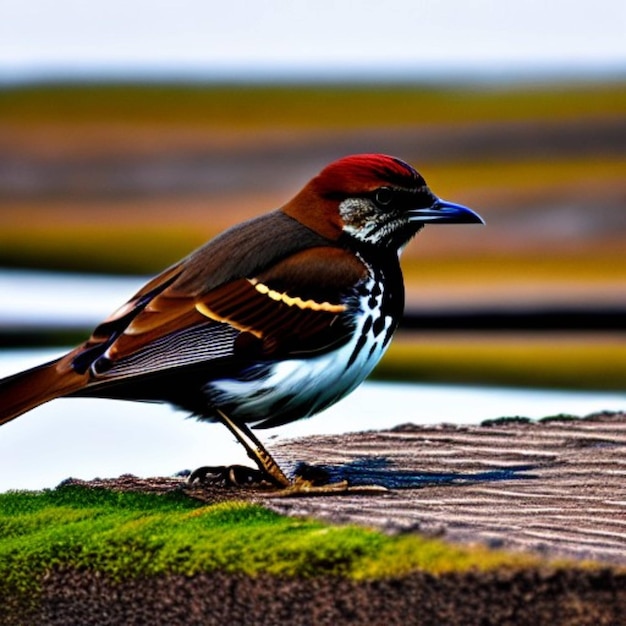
555	487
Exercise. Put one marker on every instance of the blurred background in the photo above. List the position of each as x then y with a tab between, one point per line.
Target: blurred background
131	132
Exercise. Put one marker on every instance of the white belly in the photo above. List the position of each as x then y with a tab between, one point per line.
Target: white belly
297	388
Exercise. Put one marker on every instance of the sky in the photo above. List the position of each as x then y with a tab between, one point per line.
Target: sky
394	38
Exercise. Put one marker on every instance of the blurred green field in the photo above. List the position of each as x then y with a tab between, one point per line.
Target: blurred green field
60	126
297	105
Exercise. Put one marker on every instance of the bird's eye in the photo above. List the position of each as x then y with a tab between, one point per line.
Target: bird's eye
383	196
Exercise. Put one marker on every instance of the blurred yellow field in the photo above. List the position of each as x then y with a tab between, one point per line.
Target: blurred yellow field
525	359
308	105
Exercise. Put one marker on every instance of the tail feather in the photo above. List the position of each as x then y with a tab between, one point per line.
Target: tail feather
24	391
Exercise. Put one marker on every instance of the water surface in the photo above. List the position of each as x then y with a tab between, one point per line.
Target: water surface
85	438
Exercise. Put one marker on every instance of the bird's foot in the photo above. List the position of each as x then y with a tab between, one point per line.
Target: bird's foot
311	480
229	476
302	487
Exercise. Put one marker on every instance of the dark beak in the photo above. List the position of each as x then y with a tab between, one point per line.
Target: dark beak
443	212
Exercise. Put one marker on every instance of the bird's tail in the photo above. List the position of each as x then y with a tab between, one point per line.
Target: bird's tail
24	391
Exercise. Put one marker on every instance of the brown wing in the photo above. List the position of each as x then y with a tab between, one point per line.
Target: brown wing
296	307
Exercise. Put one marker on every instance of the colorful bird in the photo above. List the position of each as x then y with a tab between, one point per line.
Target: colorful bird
272	321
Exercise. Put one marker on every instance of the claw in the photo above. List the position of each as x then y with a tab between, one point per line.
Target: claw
228	476
309	481
302	487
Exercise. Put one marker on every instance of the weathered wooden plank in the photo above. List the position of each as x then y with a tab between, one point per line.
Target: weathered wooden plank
556	487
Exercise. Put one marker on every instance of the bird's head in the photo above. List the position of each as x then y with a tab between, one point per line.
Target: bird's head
373	200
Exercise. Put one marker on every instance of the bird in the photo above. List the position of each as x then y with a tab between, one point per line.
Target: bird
271	321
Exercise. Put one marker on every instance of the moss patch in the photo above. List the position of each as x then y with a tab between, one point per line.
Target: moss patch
131	535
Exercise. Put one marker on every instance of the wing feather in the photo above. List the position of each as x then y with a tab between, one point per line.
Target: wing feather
296	307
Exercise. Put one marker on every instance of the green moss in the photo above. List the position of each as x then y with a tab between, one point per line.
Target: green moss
500	421
560	417
126	535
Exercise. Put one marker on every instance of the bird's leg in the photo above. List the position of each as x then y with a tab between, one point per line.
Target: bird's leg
300	486
268	467
256	451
